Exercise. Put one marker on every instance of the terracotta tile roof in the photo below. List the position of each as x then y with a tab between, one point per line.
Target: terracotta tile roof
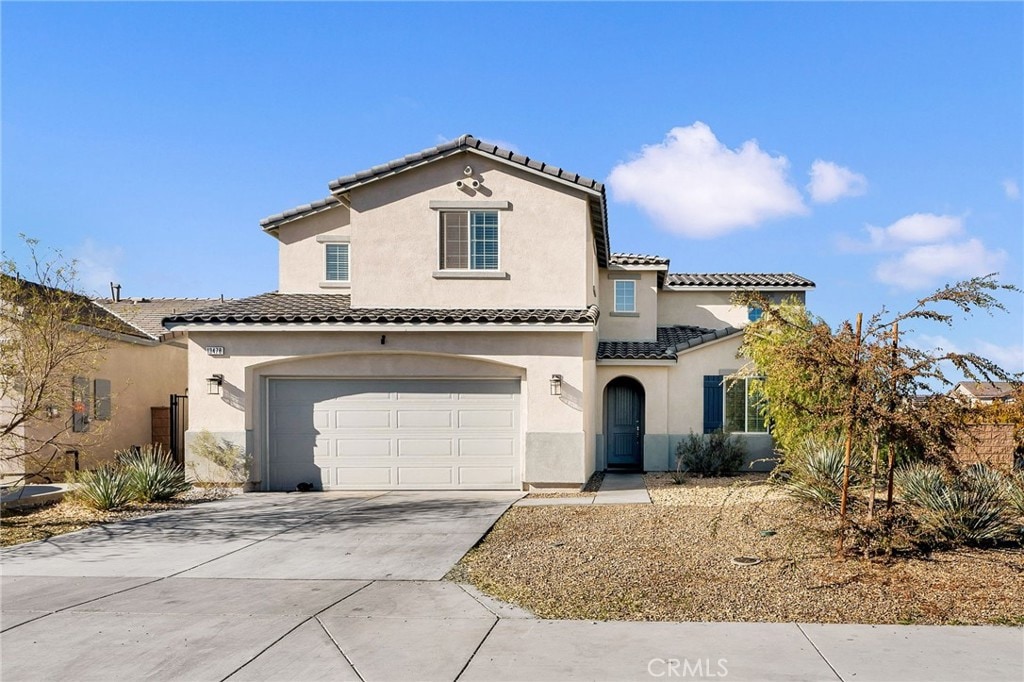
671	341
636	259
736	279
80	310
147	314
277	219
595	190
459	144
336	308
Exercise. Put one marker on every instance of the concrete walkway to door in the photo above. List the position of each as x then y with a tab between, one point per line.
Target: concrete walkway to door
615	488
347	586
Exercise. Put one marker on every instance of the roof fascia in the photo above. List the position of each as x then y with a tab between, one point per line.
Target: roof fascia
374	327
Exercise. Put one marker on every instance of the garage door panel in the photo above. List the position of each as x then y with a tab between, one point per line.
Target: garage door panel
486	447
486	419
424	419
425	447
362	419
470	476
362	447
429	476
394	433
363	476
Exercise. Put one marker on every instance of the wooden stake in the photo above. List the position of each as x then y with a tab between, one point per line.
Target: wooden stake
849	440
888	442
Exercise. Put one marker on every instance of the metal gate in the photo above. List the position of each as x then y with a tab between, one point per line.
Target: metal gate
179	424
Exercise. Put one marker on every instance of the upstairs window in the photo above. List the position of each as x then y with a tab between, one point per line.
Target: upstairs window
336	256
469	240
625	296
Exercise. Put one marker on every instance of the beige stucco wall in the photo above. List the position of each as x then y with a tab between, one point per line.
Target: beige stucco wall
141	377
394	241
301	265
712	309
554	427
623	327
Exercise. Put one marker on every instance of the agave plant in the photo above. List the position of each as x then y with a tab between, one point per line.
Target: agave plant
105	488
971	508
152	474
815	469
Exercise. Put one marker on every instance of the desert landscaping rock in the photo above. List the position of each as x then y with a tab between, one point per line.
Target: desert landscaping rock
673	561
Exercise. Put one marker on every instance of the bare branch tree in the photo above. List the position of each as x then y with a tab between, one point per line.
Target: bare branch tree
49	334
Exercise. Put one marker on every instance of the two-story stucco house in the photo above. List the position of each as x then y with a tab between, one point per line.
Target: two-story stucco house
455	319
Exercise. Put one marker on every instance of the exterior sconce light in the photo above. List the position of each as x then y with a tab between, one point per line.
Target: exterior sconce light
556	384
214	383
52	411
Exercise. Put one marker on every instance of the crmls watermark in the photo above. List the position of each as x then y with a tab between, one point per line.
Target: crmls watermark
684	667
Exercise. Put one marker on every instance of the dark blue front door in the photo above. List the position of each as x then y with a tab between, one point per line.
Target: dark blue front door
625	424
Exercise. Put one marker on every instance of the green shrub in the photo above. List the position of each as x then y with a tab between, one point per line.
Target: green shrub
152	474
715	455
105	488
813	471
970	508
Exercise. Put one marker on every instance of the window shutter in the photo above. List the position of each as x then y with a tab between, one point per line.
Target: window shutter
80	404
712	403
101	399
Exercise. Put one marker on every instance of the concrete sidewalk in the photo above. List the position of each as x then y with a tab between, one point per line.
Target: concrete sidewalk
615	489
346	586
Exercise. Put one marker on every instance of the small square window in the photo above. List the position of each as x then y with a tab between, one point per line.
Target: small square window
625	296
337	263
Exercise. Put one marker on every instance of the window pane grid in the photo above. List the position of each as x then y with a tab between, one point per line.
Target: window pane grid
337	263
743	406
625	296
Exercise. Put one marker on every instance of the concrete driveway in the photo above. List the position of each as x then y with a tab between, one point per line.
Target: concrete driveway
346	586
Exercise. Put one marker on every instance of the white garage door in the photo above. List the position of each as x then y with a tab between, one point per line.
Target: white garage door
396	433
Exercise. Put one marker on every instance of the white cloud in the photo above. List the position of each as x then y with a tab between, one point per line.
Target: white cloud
930	264
695	186
97	267
830	182
1012	189
1010	357
911	230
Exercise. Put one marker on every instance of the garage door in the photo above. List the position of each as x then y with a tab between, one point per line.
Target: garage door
388	434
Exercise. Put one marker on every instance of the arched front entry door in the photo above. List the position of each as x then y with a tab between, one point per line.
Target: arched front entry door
624	424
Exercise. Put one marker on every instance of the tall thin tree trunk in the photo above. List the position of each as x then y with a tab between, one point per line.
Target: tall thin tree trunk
843	500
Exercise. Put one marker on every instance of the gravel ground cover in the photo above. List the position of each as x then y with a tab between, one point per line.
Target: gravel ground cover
38	523
672	560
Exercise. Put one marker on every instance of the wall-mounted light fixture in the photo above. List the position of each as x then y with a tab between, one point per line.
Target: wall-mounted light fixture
556	384
52	411
214	383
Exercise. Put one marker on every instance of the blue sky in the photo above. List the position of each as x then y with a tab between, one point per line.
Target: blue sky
147	140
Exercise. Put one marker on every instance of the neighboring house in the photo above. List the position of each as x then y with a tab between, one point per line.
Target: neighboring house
110	408
985	392
454	319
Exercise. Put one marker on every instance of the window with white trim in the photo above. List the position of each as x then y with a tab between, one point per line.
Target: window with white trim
469	240
336	257
625	296
744	406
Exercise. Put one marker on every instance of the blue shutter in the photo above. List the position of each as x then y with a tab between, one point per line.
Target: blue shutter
712	403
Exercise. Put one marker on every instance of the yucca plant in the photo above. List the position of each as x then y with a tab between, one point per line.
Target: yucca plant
152	474
971	508
815	471
105	488
1015	492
